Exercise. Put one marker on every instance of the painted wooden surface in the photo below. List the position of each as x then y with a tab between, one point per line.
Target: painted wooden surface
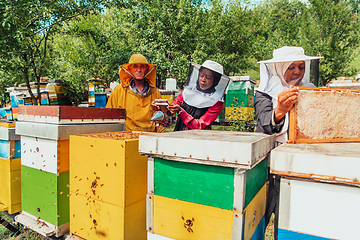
254	213
176	219
10	185
205	184
183	220
94	219
108	180
153	236
70	114
287	234
239	113
319	209
202	184
107	170
255	180
259	233
335	162
213	147
40	226
45	195
62	132
10	149
8	134
46	155
7	124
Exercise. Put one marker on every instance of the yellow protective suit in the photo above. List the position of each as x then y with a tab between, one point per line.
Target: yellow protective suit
138	109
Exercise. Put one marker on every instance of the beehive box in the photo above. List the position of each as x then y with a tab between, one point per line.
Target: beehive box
45	173
319	189
9	143
107	186
10	168
45	195
239	113
325	115
206	184
10	190
70	115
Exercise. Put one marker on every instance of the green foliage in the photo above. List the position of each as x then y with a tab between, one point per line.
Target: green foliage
76	90
330	29
26	29
80	40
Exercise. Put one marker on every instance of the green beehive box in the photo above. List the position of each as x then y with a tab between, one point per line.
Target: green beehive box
241	87
45	195
206	184
239	100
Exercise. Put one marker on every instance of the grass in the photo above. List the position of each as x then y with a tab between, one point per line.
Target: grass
25	234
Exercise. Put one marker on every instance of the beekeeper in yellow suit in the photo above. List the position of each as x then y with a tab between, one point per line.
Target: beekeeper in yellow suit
135	93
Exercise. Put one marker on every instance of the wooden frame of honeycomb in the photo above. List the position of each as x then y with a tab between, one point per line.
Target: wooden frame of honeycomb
325	115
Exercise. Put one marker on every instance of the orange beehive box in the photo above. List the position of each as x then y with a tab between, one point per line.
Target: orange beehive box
325	115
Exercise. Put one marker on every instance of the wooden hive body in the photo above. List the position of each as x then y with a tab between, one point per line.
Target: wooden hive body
192	197
45	170
70	115
10	168
319	188
10	190
325	115
107	186
313	210
9	143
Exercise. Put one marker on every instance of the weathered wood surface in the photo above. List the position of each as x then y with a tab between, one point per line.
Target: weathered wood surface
335	162
215	147
70	114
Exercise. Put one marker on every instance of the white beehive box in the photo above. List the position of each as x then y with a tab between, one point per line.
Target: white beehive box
320	188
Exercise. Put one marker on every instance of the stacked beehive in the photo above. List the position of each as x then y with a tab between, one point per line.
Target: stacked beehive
239	103
45	135
107	186
206	184
10	169
319	185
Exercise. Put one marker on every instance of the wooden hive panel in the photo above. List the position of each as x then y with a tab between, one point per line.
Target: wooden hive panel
178	219
325	115
312	210
108	180
10	149
45	154
10	185
45	195
70	115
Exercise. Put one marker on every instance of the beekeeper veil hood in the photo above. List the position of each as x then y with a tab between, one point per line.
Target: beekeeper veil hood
272	78
198	95
272	71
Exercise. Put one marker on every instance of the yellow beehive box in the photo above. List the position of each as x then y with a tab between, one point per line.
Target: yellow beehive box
239	113
10	185
178	219
108	185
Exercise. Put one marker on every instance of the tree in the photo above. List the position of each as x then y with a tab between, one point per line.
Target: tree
26	29
330	29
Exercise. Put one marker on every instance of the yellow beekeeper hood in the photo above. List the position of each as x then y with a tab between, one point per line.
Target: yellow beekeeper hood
126	76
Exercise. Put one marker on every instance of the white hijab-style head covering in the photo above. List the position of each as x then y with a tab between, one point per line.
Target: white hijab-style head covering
202	99
272	80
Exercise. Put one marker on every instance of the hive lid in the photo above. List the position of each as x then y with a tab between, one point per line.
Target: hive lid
62	132
70	115
335	162
211	147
